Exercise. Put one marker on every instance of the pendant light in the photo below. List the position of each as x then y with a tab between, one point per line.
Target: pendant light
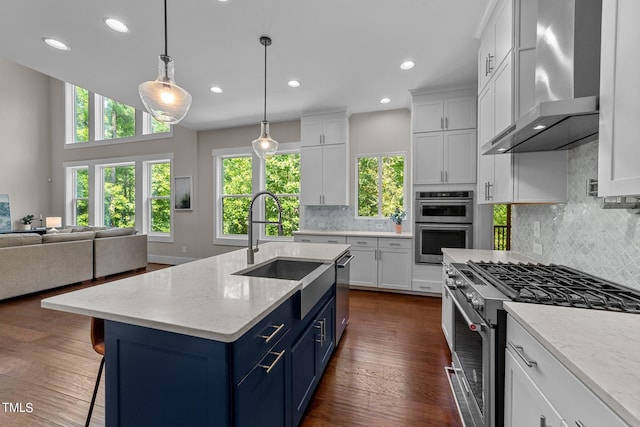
163	98
265	145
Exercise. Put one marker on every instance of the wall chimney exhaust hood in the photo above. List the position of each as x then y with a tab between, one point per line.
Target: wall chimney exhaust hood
567	83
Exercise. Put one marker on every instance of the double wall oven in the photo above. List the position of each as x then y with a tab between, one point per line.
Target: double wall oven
443	219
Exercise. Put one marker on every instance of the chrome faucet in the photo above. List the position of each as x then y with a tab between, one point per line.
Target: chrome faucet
251	250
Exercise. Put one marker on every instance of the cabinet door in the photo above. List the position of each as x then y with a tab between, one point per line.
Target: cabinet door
501	188
394	268
335	130
364	271
618	149
311	175
334	175
485	117
304	374
261	396
447	315
460	113
428	116
503	31
524	404
428	156
460	157
486	49
503	97
310	130
326	342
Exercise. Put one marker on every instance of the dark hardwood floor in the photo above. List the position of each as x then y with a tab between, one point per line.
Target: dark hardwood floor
387	370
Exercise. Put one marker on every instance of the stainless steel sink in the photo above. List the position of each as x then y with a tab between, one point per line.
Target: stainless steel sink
316	277
283	269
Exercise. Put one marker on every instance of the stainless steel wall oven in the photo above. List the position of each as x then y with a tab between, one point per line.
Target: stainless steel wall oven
443	219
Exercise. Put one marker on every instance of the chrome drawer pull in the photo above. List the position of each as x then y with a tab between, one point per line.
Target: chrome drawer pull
543	421
520	352
579	423
268	338
394	244
270	367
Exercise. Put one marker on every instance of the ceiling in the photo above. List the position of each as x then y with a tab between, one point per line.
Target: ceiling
345	53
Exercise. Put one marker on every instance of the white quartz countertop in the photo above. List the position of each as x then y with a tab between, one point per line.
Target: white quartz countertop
601	348
347	233
202	298
464	255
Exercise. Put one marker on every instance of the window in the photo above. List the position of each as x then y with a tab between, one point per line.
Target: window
119	196
118	119
92	118
80	114
111	193
80	199
159	197
380	185
237	182
282	173
239	174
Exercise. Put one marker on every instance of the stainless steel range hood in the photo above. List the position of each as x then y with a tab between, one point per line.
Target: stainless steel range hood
567	84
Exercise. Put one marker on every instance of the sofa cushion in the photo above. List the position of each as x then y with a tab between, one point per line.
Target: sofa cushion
68	237
80	228
19	239
114	232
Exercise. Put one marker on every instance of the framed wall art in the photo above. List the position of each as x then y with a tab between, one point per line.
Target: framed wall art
182	190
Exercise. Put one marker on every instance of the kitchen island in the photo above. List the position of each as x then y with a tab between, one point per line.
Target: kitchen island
198	344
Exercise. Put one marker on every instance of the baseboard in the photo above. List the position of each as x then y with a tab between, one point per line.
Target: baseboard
170	260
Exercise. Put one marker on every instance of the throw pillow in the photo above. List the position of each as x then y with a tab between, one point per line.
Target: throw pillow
114	232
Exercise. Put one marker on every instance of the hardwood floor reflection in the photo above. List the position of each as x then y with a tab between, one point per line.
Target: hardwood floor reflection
387	371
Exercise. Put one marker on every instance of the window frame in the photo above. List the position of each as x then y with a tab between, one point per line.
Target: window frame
95	123
258	177
74	195
405	186
142	188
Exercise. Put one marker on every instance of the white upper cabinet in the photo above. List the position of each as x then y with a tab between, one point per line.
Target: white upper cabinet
496	42
619	149
444	114
320	129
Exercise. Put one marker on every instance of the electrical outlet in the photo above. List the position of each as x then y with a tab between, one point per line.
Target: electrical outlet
379	226
184	249
536	228
321	225
537	248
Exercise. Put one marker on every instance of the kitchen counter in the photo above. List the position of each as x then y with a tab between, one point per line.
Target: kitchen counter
347	233
464	255
600	348
202	298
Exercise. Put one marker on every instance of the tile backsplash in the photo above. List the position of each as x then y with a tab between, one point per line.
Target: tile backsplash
341	218
579	234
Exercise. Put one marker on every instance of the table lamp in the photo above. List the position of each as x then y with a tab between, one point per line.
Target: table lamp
52	222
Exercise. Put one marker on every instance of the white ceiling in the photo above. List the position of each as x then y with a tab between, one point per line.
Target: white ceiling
346	53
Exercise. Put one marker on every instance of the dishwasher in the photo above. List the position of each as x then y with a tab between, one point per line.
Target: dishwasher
342	294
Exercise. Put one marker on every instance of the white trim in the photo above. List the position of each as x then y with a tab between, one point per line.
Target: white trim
119	160
482	25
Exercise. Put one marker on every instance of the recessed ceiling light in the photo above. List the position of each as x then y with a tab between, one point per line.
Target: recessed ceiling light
407	65
216	89
502	150
539	127
385	101
116	25
293	83
56	44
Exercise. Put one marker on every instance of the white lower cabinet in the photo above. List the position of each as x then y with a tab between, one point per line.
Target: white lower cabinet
537	385
380	262
447	305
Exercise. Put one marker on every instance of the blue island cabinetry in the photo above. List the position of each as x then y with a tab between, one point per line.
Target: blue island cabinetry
267	377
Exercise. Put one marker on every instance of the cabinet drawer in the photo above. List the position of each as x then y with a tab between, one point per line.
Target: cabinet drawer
252	346
309	238
363	242
571	398
390	243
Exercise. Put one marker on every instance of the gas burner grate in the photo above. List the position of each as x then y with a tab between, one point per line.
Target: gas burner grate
557	285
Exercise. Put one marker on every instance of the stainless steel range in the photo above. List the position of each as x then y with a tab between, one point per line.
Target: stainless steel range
478	290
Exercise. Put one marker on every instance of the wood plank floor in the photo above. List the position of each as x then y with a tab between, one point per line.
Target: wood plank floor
387	370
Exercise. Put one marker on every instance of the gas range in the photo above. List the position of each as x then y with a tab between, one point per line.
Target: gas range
486	285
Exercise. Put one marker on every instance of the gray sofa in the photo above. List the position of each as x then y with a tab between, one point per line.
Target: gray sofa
32	263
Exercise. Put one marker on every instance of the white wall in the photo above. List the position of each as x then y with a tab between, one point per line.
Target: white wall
24	158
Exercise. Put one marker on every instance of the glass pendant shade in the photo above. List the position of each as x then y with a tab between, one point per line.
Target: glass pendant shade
265	145
163	98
